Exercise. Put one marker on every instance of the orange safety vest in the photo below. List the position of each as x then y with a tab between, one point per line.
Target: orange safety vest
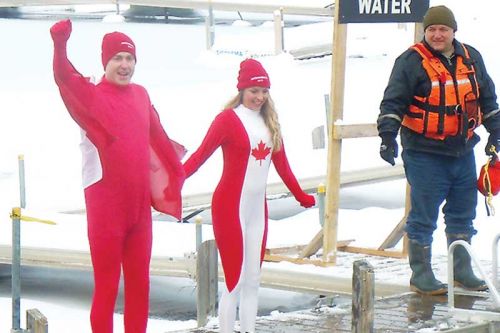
452	107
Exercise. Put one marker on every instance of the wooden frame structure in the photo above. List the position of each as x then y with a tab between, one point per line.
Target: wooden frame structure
336	134
326	238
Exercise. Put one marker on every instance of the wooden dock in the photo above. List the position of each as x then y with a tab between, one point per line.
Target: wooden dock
395	310
404	313
336	280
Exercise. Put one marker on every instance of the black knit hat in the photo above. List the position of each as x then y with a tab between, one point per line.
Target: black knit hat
440	15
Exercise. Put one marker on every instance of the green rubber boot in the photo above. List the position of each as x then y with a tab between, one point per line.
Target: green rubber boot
463	275
422	279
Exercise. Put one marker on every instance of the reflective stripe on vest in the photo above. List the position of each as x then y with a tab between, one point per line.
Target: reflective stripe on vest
452	107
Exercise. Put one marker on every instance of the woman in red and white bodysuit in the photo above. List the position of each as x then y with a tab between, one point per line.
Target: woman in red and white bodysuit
129	165
249	134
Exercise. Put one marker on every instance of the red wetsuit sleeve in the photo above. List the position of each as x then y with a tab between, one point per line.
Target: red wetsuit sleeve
213	139
282	166
172	151
79	95
167	173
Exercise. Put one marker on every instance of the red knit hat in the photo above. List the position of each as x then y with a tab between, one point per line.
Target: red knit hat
252	74
116	42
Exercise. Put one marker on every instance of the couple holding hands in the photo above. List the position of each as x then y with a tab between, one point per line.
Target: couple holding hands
130	164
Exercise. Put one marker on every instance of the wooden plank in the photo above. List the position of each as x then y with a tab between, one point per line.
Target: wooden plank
324	284
363	297
298	249
295	260
285	249
312	282
314	245
395	236
59	258
207	280
373	252
36	322
221	5
288	253
279	43
334	145
354	131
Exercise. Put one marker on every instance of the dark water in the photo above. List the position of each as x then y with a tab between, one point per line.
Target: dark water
170	298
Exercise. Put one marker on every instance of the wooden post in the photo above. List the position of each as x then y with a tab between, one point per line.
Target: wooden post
279	43
419	32
321	203
36	322
16	268
363	297
335	145
199	231
22	182
210	27
207	281
328	114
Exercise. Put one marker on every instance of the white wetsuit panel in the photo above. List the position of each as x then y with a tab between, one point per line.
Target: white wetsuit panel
252	221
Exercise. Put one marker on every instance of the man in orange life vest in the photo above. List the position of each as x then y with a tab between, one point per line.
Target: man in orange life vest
438	93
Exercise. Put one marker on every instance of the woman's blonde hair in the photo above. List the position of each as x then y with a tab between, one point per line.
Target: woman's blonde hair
269	114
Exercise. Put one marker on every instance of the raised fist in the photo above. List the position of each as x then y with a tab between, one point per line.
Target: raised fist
61	31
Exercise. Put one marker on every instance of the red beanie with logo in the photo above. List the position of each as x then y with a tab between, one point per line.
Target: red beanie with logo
252	74
115	42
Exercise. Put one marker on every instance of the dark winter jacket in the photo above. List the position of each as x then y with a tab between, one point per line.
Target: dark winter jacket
409	79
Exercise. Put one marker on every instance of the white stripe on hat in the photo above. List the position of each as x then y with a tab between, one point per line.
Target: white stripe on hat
129	45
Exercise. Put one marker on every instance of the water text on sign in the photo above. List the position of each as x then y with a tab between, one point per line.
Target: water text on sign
373	11
384	6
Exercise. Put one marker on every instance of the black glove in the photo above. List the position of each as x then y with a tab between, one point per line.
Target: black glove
493	146
388	147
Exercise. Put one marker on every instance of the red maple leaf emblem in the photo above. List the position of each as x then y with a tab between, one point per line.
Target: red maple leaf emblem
261	152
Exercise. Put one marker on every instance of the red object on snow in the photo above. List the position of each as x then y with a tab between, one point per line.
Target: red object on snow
488	182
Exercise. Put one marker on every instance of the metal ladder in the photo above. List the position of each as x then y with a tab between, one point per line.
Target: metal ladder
471	314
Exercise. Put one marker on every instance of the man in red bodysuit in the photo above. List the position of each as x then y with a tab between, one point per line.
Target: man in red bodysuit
129	165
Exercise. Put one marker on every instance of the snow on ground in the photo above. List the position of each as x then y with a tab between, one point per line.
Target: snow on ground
189	85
